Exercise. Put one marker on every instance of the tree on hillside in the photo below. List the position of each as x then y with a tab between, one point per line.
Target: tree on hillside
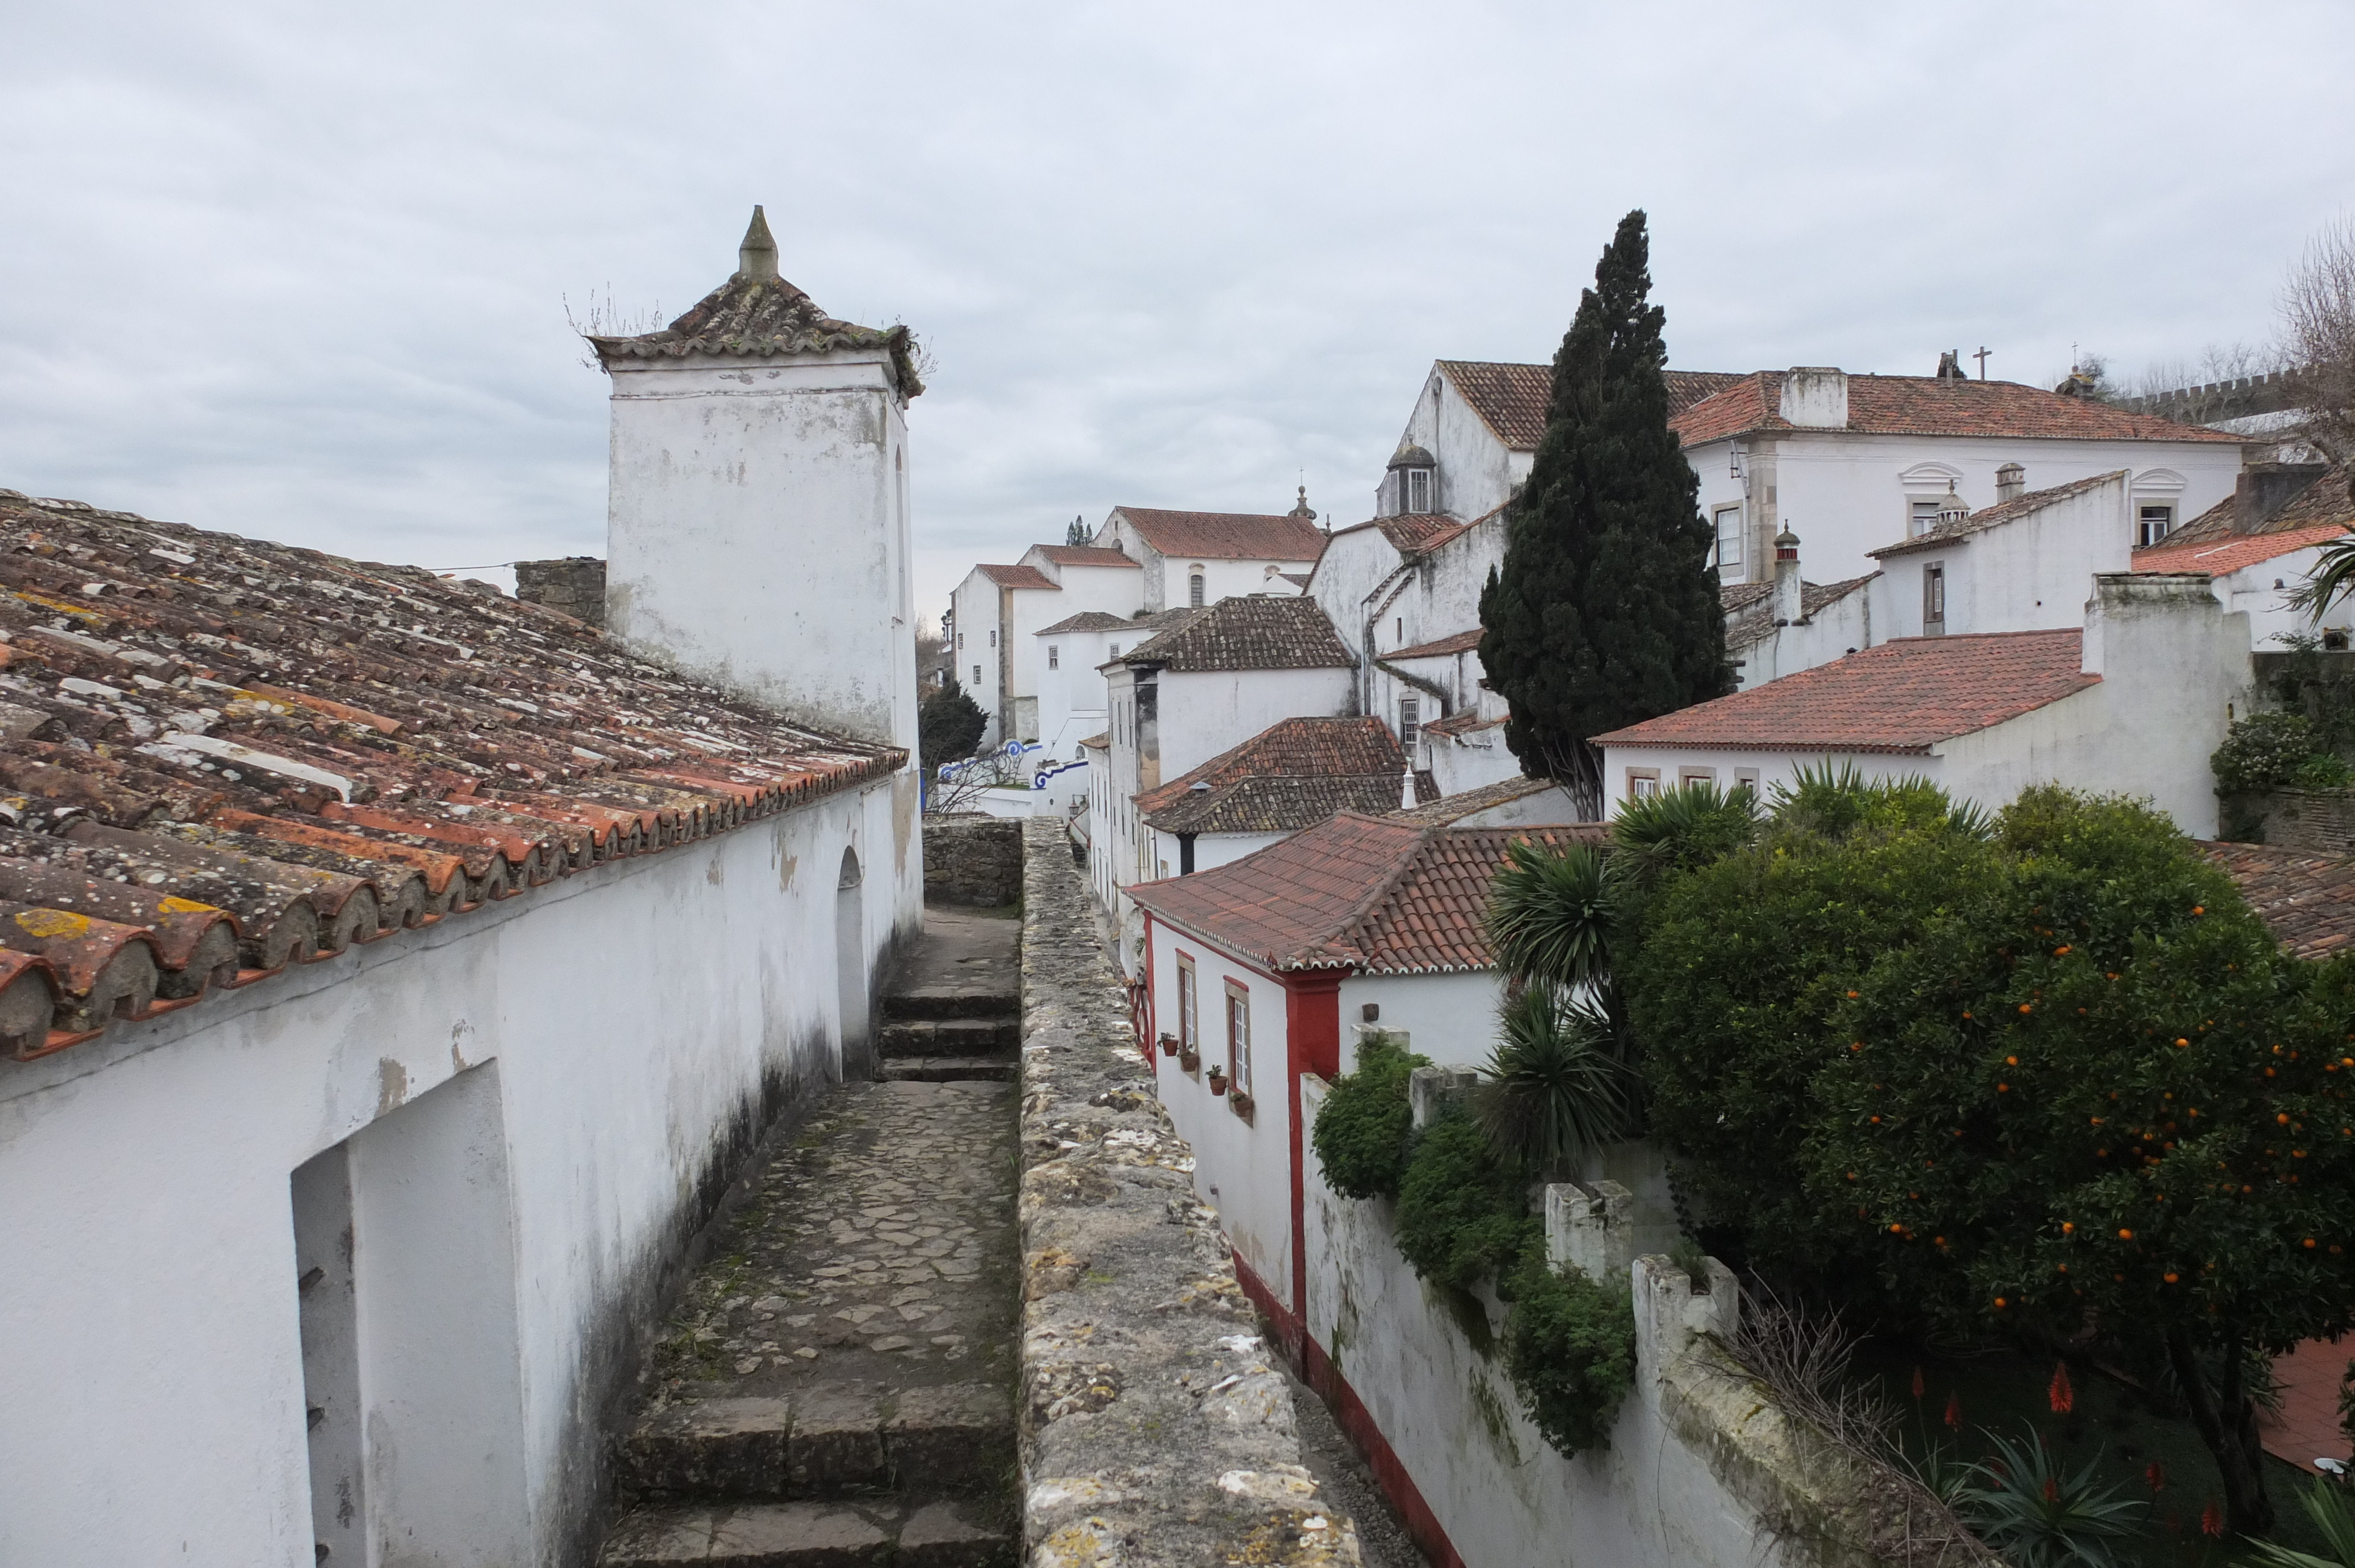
2040	1078
1605	612
948	726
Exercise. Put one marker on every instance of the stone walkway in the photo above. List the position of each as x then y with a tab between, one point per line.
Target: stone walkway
838	1385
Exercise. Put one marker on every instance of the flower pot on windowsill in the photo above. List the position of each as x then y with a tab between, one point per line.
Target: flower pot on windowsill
1189	1061
1169	1044
1218	1081
1241	1103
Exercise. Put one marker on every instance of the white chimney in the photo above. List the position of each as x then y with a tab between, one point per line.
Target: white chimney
2011	482
757	522
1814	397
1788	603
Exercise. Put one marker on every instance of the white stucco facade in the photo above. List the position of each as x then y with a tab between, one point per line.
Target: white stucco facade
531	1105
758	514
999	657
1167	582
2022	575
1476	470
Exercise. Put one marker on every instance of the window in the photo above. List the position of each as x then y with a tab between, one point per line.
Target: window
977	674
1239	1064
1194	590
1746	778
2153	521
1696	775
1934	599
1410	724
1116	653
960	641
1728	538
1643	783
1054	657
1417	496
1925	517
1189	1024
993	637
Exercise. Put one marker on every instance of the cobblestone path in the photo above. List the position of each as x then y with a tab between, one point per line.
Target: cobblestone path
838	1384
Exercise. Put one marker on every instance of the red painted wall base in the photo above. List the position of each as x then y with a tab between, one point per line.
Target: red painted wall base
1317	1370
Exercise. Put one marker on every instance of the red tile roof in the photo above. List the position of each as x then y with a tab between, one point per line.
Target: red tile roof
1277	805
1450	809
1088	620
1512	398
1747	630
1294	748
1228	535
2330	498
1083	555
2219	557
1907	695
2307	900
1019	577
219	757
1364	893
1929	406
1461	643
1253	631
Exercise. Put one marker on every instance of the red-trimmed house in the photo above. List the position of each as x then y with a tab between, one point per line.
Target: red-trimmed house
1262	968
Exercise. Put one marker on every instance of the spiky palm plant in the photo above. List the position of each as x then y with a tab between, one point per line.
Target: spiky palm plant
1550	917
2328	1505
1555	1086
2022	1503
1678	829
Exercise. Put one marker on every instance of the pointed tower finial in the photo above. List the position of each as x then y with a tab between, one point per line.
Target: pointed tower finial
756	259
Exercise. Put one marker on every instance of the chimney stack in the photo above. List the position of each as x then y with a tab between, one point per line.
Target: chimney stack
1814	397
756	257
2011	482
1788	602
2263	489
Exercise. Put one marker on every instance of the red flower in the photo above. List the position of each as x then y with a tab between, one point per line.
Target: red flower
1917	1382
2212	1519
1954	1411
2052	1490
2063	1398
2154	1476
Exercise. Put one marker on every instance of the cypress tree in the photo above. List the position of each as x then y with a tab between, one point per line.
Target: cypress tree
1605	613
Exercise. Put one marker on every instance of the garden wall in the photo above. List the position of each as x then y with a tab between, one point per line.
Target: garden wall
2312	821
1701	1471
972	861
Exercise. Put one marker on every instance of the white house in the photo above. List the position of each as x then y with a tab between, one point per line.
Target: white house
1851	462
1291	776
398	974
1196	559
2260	544
2019	566
1072	703
2133	702
996	612
1219	675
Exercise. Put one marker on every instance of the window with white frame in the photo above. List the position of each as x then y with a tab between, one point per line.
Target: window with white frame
1933	597
1643	783
1924	518
1728	538
1194	589
1746	778
1054	657
1190	1022
1238	1052
1696	775
1416	484
1410	725
2153	522
977	674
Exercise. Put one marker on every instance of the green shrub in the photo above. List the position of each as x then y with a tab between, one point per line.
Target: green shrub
2323	772
2022	1502
1570	1352
1555	1089
1464	1212
2262	751
1361	1134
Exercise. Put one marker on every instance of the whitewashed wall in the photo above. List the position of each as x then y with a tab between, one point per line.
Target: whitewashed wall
1846	625
1451	1019
2032	573
637	1018
757	520
1476	469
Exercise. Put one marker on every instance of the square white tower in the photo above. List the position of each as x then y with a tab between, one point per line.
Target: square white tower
758	528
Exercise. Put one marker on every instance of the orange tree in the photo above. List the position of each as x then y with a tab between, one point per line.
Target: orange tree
2048	1078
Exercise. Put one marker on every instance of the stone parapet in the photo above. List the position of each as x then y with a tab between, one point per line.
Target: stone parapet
1155	1424
973	861
2310	821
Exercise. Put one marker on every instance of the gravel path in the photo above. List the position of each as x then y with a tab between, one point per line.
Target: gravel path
1343	1477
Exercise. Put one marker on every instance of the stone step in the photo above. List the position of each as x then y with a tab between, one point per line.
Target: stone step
975	999
950	1070
949	1037
881	1534
824	1444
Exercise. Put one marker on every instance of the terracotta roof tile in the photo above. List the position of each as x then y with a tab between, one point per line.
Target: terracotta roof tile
1748	630
1461	643
1085	556
1512	398
763	317
2307	900
219	756
1019	577
1090	620
2219	557
1371	893
1258	631
1228	535
1907	695
1929	406
1276	805
1293	747
1450	808
2003	512
2326	500
1463	723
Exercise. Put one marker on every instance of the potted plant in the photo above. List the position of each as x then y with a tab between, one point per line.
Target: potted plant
1169	1044
1189	1061
1241	1103
1218	1080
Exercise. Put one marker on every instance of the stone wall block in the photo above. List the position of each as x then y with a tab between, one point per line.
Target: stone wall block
1430	1091
1591	1228
975	862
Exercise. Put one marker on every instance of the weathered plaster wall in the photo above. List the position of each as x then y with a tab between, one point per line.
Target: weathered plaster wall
972	861
1157	1430
646	1019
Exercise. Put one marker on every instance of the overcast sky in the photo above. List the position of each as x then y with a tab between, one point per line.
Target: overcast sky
302	272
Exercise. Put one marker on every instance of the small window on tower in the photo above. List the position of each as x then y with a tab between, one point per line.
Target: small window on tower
977	674
1054	657
1418	489
1194	590
1934	599
1410	724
